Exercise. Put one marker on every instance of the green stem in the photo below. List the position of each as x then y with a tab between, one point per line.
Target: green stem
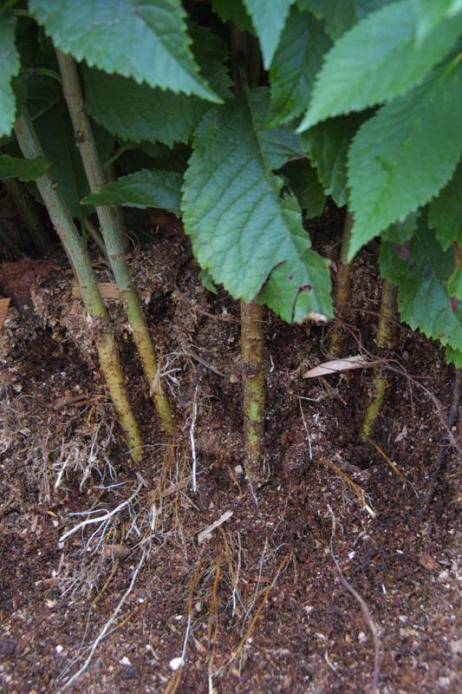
254	391
28	212
112	229
342	290
78	257
386	339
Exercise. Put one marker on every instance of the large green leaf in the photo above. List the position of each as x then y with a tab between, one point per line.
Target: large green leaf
445	211
295	65
405	154
139	112
142	189
327	146
341	15
24	169
242	230
424	300
454	356
431	12
9	60
378	60
143	39
268	19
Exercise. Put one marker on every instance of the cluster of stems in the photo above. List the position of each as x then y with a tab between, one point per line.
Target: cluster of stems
113	239
77	254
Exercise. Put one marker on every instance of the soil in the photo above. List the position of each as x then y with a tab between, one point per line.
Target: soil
337	554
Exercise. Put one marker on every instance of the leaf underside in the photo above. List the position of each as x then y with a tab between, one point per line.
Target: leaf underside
9	60
243	232
445	212
142	189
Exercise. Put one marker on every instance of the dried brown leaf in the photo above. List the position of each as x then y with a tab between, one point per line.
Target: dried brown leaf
338	365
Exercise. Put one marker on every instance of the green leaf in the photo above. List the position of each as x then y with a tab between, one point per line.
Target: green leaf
424	300
295	65
233	11
269	19
404	155
9	60
327	146
142	189
24	169
143	39
377	60
430	13
304	184
445	211
401	232
243	232
453	356
138	112
207	281
339	15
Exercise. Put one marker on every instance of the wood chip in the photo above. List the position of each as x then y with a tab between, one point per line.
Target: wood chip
338	365
108	290
427	561
4	304
204	534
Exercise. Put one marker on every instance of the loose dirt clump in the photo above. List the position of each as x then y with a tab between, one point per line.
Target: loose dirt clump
271	599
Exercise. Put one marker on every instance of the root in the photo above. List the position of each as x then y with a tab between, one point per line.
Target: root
366	613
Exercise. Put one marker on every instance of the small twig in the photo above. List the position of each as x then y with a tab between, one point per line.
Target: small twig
440	461
362	604
207	365
192	440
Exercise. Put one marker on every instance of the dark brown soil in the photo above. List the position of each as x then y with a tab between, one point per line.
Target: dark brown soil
270	602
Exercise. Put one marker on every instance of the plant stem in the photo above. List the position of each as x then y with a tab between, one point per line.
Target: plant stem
254	369
342	290
386	338
111	223
80	261
28	212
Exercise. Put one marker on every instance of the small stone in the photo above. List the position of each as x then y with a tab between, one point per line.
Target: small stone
125	661
456	647
7	647
234	378
130	673
362	637
59	649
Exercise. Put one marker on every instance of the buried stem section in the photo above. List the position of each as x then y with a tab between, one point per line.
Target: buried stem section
342	290
60	216
112	229
386	339
254	387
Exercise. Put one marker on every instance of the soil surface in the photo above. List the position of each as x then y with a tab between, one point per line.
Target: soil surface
344	567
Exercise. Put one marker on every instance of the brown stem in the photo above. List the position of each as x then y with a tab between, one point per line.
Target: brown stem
342	296
386	339
111	223
254	367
